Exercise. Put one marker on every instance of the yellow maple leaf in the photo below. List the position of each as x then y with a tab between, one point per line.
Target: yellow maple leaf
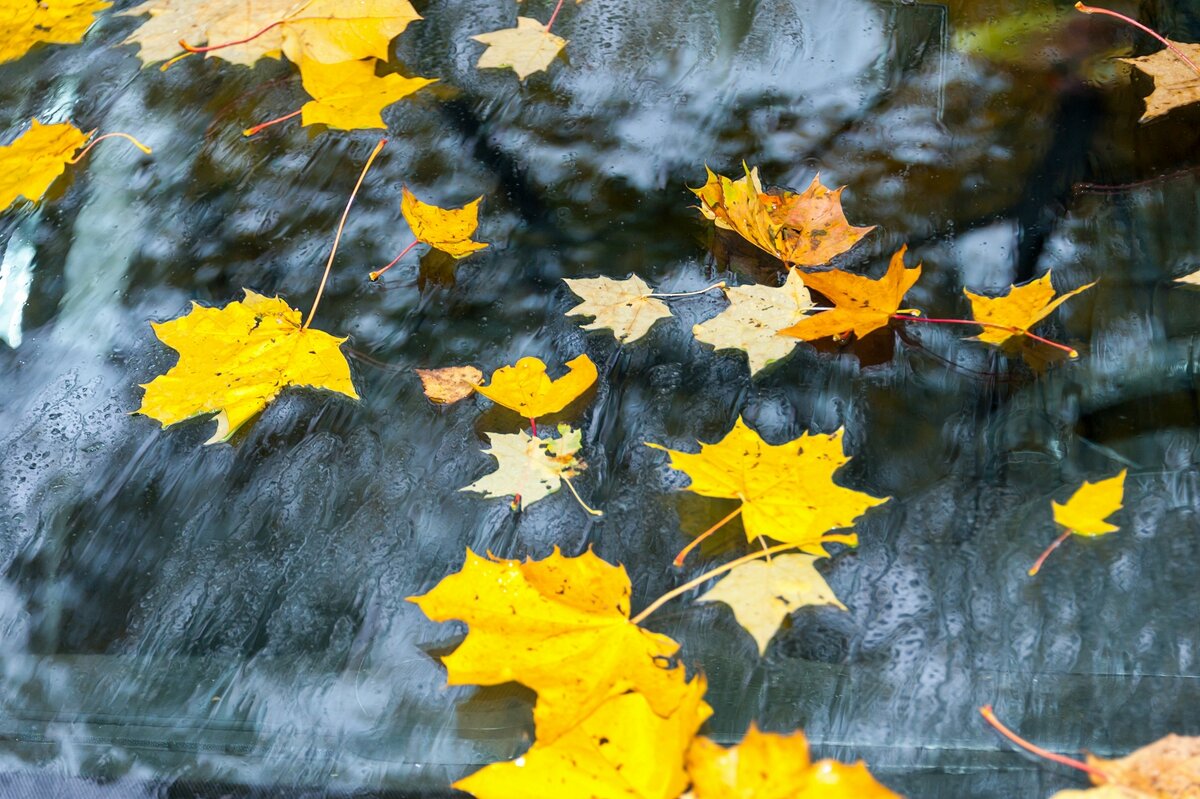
527	48
559	626
349	95
1019	309
25	23
624	750
35	160
450	384
624	306
763	593
333	31
1084	513
787	491
860	305
233	361
1175	83
528	390
527	467
772	766
754	318
446	229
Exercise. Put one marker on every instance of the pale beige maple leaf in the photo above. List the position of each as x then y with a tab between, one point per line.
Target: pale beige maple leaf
528	467
526	49
1175	83
1191	279
754	318
625	307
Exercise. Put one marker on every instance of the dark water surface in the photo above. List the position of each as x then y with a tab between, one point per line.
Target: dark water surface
171	612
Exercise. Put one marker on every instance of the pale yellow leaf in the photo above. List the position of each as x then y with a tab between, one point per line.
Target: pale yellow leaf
526	49
623	306
527	467
754	318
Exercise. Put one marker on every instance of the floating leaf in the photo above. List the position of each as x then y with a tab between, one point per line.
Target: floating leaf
625	307
763	593
35	160
25	23
559	626
350	96
770	766
1019	309
526	49
527	467
234	361
1192	279
449	385
1169	768
860	305
1084	513
446	229
1175	83
624	750
787	491
334	31
754	318
528	390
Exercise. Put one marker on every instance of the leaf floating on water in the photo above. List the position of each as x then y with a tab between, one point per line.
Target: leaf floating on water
527	467
1169	768
1192	279
1175	83
528	390
349	95
26	23
1019	309
526	49
36	159
449	385
754	318
625	307
446	229
335	31
1084	513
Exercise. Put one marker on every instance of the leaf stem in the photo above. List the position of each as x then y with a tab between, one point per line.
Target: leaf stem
99	139
533	426
1009	328
1037	566
719	285
223	45
695	542
708	575
378	272
1170	44
338	236
579	499
990	717
262	125
554	16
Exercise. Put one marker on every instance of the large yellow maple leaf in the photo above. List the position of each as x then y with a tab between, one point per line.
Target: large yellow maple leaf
25	23
1013	313
771	766
623	750
35	160
787	490
349	95
527	389
526	49
559	626
233	361
860	304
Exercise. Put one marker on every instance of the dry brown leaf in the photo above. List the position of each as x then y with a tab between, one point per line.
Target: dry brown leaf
1169	768
1175	83
450	384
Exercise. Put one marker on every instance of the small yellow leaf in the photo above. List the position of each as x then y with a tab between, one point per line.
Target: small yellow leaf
1175	83
350	96
1019	309
559	626
1084	513
763	593
446	229
754	318
35	160
623	306
25	23
234	360
528	390
1191	279
332	31
527	48
787	491
527	467
449	385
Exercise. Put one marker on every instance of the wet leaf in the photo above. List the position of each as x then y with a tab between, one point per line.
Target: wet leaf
763	593
787	491
1084	513
754	318
860	304
1175	83
35	160
559	626
772	766
1191	279
350	96
25	23
528	390
527	467
1169	768
623	306
624	750
1018	310
449	385
526	49
446	229
234	361
336	31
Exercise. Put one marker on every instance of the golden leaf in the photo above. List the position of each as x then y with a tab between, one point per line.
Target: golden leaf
25	23
350	96
772	766
446	229
527	48
787	491
763	593
860	305
1169	768
527	467
1084	513
35	160
1191	279
449	385
754	318
624	750
1175	83
528	390
559	626
234	361
1019	309
623	306
333	31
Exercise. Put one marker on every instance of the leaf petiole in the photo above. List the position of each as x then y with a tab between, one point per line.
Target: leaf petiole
554	15
706	289
99	139
262	125
990	717
1169	44
695	542
379	272
1071	352
579	499
1037	566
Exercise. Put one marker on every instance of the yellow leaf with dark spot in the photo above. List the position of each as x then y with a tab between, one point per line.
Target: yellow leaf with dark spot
25	23
528	390
1018	310
527	48
35	160
446	229
350	96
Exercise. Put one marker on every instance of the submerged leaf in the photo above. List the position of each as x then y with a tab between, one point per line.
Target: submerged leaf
25	23
446	229
623	306
528	390
527	467
349	95
35	160
754	318
527	48
1084	513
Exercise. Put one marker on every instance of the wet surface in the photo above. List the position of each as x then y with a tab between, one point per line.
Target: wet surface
235	613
